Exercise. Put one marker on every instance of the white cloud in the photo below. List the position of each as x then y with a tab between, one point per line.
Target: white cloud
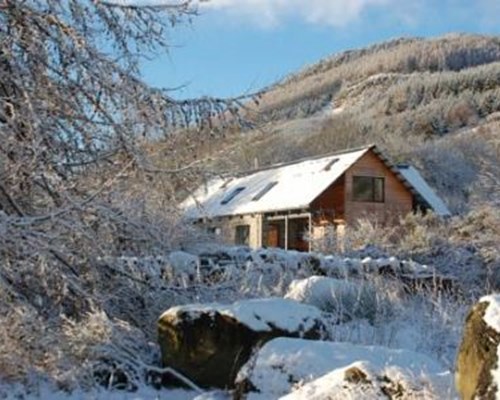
336	13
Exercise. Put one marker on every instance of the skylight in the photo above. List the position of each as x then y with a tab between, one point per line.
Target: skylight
264	190
226	182
231	195
328	166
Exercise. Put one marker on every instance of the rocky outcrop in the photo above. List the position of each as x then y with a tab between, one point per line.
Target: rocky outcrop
478	369
305	369
210	342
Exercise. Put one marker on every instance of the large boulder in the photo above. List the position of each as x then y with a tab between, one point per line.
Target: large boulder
305	369
210	342
478	369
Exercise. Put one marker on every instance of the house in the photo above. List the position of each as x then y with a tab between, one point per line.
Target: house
286	204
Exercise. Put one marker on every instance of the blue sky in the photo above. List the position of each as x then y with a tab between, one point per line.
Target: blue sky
240	46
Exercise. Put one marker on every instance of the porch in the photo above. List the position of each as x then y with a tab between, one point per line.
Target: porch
295	231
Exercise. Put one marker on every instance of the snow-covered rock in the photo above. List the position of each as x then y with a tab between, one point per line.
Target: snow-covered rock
283	366
365	381
478	361
209	342
346	299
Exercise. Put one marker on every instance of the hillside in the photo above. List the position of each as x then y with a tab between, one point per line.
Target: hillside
433	102
341	78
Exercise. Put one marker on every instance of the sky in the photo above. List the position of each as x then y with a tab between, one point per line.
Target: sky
236	47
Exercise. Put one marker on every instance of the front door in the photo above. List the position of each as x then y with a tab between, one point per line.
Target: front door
273	235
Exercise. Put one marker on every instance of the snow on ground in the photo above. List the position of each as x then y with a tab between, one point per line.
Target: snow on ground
259	314
45	392
418	322
284	364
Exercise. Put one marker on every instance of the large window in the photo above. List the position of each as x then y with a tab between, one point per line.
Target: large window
368	188
242	235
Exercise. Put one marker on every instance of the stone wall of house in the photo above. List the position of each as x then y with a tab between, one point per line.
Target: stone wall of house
225	228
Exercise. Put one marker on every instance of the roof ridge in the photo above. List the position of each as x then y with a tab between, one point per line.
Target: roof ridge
298	161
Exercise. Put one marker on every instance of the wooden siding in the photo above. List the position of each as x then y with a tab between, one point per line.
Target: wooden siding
330	204
398	200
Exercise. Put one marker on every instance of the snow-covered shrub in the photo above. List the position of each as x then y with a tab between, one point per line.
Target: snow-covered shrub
27	345
465	247
269	271
113	353
343	298
419	322
182	267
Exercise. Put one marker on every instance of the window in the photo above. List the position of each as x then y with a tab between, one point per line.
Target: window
264	190
231	195
213	231
242	235
368	188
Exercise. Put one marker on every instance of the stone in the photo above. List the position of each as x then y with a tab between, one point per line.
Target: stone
477	367
208	343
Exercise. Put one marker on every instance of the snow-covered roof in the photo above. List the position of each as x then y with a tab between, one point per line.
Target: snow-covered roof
293	186
281	187
413	177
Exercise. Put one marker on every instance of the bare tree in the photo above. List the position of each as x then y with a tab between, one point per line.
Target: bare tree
75	120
